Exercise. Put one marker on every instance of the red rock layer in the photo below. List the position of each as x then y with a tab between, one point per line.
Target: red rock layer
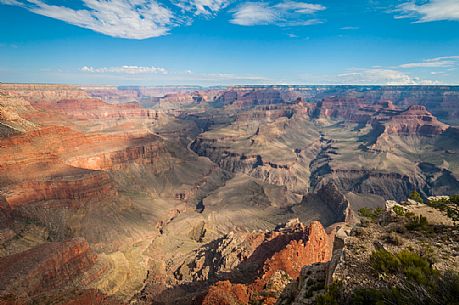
314	246
86	109
415	120
93	185
44	268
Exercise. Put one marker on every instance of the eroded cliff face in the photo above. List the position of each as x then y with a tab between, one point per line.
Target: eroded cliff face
312	246
45	268
415	120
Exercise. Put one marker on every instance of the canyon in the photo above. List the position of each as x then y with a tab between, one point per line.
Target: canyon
190	195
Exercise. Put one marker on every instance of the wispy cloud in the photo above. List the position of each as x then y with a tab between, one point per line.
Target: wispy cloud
381	76
349	28
286	13
201	7
118	18
438	62
434	10
125	70
254	14
145	74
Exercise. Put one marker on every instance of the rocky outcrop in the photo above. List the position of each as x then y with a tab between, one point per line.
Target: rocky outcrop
386	184
278	269
415	120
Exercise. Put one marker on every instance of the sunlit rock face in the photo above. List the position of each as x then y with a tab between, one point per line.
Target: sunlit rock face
311	246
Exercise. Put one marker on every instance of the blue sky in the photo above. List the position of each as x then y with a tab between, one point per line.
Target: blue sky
225	42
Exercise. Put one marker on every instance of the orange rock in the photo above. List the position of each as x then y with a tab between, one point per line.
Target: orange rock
311	246
226	293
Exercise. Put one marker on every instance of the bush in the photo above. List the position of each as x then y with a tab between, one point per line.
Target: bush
384	262
418	223
419	283
415	267
399	210
454	199
332	296
416	197
369	296
394	239
450	206
373	214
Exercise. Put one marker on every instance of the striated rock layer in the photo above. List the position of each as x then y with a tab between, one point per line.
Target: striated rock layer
44	268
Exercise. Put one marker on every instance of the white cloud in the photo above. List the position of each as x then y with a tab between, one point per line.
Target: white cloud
300	7
286	13
254	13
202	7
119	18
438	62
125	70
349	28
434	10
382	77
133	19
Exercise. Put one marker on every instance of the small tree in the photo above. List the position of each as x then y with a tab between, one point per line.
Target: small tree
416	197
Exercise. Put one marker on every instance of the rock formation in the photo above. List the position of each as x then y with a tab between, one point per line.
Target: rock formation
278	269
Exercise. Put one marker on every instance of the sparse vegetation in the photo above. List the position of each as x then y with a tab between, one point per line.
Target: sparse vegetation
414	195
449	206
398	210
419	283
372	214
394	239
417	223
332	296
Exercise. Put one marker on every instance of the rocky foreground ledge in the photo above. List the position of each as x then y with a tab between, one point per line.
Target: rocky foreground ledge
406	254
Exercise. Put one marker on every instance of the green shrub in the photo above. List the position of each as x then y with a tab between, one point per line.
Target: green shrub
373	214
332	295
370	296
416	197
418	223
419	283
415	267
450	206
399	210
454	199
394	239
384	261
